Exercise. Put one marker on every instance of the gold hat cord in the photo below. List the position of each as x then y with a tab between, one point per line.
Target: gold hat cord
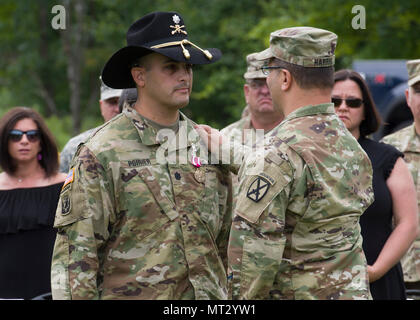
184	51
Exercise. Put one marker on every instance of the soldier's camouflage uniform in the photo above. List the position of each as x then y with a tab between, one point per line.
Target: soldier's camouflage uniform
70	149
296	232
131	228
408	142
235	131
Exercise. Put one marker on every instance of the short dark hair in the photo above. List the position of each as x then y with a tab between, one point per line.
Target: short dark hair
49	149
372	119
309	77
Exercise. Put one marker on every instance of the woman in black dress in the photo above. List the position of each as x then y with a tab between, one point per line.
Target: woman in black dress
30	186
389	225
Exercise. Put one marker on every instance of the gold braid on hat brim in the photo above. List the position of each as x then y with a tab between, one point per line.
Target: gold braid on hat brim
184	51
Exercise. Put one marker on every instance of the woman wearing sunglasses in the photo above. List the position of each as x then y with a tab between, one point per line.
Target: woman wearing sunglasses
389	225
29	190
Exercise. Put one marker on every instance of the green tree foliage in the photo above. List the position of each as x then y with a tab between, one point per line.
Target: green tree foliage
34	63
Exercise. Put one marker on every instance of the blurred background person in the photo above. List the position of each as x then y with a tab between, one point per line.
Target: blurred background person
109	106
259	112
395	197
29	190
407	140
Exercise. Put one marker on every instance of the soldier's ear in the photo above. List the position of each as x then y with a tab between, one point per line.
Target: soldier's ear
246	92
138	76
286	79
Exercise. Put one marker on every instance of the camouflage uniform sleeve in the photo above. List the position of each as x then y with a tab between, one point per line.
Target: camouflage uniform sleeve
84	216
257	238
232	155
226	208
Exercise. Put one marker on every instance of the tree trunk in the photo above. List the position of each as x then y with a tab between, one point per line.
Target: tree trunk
72	39
45	94
44	88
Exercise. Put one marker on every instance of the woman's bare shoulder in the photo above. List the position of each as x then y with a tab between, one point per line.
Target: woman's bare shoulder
59	177
4	182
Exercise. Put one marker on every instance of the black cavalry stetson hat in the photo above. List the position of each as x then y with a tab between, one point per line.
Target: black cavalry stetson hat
161	32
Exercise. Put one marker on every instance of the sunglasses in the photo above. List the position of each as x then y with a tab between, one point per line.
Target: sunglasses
31	135
351	103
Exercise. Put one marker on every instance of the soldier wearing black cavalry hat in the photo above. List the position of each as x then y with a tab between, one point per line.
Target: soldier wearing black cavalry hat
132	225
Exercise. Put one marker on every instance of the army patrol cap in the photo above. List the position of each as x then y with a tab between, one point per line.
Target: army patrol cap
304	46
254	67
413	68
107	92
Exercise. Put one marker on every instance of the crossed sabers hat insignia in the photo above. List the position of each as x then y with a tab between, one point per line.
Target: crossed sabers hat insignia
178	29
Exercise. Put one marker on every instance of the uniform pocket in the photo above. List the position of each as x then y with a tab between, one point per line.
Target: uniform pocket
260	263
159	197
145	206
212	205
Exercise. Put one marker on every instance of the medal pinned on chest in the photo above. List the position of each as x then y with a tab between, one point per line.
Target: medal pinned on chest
195	161
200	172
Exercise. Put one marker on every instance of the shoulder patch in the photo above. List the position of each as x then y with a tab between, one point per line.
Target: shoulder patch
69	178
66	205
258	189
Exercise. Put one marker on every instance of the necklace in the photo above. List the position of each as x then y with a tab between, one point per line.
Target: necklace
20	180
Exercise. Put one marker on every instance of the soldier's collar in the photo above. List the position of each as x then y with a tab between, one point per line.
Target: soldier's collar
326	108
148	134
414	141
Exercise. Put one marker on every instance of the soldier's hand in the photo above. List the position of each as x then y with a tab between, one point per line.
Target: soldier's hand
211	137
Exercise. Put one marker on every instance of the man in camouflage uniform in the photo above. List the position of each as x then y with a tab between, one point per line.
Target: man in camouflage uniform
260	116
407	140
296	232
109	108
137	218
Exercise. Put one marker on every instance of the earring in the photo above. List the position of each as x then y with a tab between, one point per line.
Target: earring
39	157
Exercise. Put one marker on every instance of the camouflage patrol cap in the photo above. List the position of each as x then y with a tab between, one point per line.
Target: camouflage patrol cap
254	67
304	46
413	68
107	92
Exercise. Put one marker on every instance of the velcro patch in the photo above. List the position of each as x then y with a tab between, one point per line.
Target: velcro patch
69	178
266	176
139	162
65	205
258	189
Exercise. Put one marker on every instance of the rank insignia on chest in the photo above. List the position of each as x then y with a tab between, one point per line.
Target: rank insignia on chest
258	189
